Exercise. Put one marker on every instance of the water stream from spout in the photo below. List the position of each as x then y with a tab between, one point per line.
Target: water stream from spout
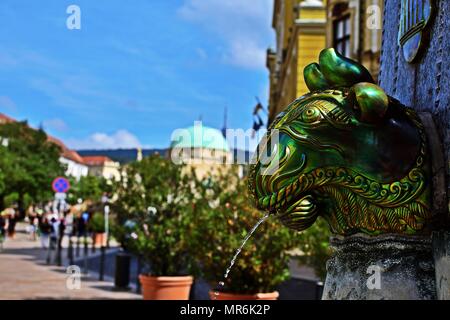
238	251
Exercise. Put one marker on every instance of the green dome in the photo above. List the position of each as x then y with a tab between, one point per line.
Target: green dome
199	136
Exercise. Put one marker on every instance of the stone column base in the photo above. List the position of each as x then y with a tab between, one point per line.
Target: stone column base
441	247
388	267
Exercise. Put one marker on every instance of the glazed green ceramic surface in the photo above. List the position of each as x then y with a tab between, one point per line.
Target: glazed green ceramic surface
346	152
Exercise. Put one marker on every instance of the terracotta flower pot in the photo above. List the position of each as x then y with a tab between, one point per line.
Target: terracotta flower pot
99	239
166	288
237	296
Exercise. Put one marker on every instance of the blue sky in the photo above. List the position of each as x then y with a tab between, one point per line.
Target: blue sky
136	71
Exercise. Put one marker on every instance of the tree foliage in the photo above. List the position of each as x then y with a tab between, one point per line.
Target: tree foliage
314	245
89	188
155	198
223	218
180	224
28	164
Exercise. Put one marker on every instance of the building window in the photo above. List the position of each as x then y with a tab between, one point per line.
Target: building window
341	35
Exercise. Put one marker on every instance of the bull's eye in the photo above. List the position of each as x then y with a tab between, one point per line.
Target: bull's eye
311	114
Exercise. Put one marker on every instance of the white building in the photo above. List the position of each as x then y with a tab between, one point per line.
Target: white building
75	165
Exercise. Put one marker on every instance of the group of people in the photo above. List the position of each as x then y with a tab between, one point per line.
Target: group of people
8	220
46	223
51	227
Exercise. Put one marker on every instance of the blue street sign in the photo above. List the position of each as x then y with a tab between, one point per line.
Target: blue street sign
61	185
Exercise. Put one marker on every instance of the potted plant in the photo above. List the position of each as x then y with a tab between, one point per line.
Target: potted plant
97	227
224	216
315	248
156	197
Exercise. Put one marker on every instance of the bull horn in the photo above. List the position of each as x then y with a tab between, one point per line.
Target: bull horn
314	78
369	101
340	71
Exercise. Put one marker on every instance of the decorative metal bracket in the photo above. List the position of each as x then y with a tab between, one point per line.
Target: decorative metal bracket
439	204
415	16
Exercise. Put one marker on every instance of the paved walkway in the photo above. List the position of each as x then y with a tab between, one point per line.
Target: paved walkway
24	274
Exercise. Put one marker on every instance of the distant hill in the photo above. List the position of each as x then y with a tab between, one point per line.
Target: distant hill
121	155
128	155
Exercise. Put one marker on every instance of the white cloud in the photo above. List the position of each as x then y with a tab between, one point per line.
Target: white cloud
19	58
244	26
55	124
122	47
7	103
222	9
65	87
7	60
246	54
121	139
201	53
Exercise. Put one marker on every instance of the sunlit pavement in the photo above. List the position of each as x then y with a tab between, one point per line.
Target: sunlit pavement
24	274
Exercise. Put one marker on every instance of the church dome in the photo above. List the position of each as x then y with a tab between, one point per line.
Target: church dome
199	136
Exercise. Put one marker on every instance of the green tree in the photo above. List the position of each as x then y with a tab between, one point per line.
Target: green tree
157	198
5	161
88	188
223	217
314	245
28	164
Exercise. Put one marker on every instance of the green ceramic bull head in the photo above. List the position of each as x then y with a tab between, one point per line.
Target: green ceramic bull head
347	152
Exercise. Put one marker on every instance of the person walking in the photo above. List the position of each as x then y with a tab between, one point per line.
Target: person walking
45	229
32	220
61	230
11	224
2	230
54	232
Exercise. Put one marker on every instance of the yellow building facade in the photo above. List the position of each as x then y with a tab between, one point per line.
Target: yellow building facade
304	27
101	166
300	28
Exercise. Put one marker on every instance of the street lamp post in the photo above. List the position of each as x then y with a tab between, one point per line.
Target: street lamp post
104	245
107	210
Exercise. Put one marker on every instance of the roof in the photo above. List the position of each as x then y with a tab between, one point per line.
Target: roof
96	160
74	156
199	136
5	119
65	151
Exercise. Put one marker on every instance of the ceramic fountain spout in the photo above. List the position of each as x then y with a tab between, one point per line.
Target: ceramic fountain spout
346	152
358	158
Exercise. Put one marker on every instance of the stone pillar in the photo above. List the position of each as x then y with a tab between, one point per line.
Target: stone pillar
441	248
377	268
409	267
425	86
